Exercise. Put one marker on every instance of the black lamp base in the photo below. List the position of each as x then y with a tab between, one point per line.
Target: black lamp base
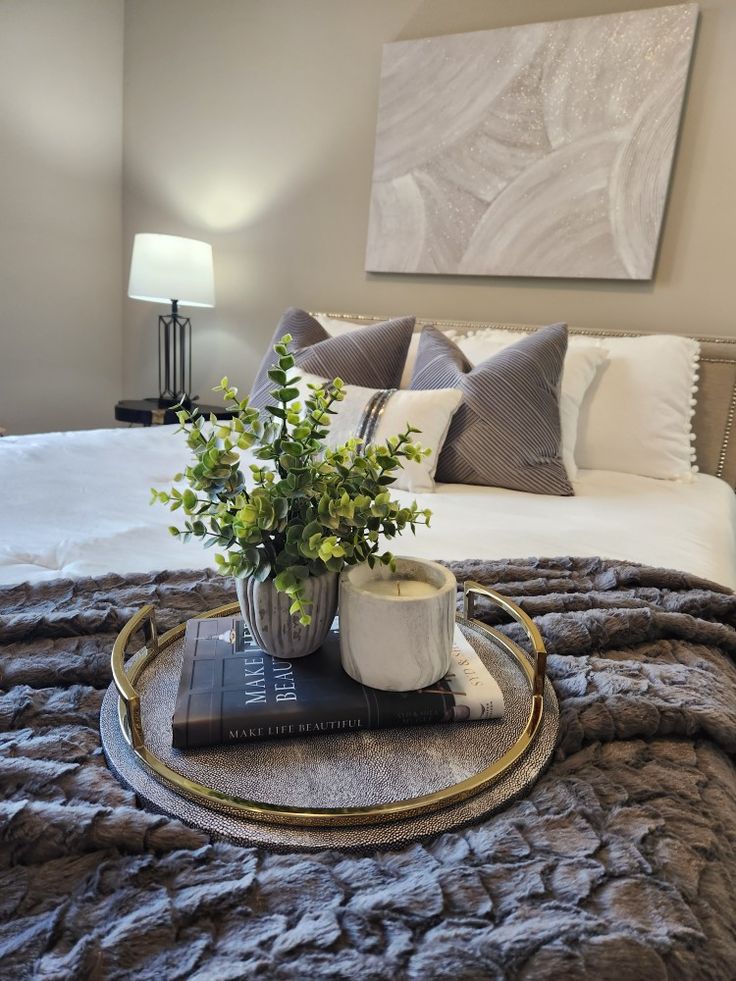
174	359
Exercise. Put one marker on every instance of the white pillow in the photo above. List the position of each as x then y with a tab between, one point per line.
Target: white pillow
335	326
581	365
637	414
430	411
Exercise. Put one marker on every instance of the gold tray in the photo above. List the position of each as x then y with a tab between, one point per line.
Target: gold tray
489	763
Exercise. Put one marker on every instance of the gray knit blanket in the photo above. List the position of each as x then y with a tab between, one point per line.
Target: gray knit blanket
620	863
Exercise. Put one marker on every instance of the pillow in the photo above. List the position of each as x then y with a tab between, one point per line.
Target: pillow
373	356
506	433
376	414
581	366
636	417
336	327
637	414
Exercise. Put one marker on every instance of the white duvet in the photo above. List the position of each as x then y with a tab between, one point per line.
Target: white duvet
76	504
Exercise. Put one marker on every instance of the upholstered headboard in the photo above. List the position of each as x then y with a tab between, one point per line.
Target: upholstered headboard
715	443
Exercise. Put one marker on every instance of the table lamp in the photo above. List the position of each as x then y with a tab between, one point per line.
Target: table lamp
171	269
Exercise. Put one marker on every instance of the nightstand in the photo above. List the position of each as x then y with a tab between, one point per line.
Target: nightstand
155	412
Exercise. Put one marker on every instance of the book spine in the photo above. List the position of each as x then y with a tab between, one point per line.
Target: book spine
295	718
308	720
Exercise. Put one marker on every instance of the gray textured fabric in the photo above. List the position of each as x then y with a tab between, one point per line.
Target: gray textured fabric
370	356
506	432
619	864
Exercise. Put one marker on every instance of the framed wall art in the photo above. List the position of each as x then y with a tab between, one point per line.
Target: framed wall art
538	150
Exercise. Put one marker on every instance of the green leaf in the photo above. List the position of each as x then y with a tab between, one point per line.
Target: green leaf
287	394
285	581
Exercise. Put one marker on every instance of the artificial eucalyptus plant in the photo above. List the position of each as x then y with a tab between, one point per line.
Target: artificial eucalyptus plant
302	509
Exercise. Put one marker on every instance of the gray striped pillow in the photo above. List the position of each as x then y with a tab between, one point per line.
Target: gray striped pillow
370	356
506	432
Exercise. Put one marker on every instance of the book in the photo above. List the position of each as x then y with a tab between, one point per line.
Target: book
231	691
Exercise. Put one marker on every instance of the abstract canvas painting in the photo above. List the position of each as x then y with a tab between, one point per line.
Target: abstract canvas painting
539	150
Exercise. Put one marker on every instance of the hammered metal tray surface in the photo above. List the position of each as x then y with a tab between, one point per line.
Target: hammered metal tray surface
338	770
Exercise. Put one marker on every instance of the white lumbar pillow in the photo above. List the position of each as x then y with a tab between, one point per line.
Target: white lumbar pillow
429	411
581	365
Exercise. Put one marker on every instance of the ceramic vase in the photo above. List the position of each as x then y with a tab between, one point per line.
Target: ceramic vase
274	629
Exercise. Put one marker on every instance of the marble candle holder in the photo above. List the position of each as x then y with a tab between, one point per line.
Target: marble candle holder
397	639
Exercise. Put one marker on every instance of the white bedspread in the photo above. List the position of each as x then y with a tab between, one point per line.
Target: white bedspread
76	504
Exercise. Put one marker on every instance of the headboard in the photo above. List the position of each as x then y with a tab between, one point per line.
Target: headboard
714	413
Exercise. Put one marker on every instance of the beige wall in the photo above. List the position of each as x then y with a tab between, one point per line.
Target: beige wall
251	125
60	213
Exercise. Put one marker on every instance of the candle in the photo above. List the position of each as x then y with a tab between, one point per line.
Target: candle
396	627
400	588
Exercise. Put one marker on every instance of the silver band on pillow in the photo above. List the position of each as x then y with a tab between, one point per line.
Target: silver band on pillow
372	414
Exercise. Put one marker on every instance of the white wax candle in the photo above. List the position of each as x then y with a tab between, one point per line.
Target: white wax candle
400	588
396	626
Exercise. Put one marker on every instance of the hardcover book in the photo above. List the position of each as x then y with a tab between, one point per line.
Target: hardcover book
232	691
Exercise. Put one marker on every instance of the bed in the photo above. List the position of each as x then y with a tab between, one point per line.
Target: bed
101	520
619	862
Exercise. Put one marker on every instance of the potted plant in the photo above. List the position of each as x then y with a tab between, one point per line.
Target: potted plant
291	520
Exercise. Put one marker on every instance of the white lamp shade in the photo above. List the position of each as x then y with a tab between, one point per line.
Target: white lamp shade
167	267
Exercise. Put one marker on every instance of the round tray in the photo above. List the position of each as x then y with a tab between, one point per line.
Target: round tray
355	791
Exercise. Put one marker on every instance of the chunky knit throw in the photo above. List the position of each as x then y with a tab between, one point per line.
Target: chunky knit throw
620	863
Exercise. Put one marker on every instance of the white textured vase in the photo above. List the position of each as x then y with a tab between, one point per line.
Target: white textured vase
274	629
397	643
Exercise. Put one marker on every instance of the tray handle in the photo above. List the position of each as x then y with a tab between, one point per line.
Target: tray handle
145	618
472	590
